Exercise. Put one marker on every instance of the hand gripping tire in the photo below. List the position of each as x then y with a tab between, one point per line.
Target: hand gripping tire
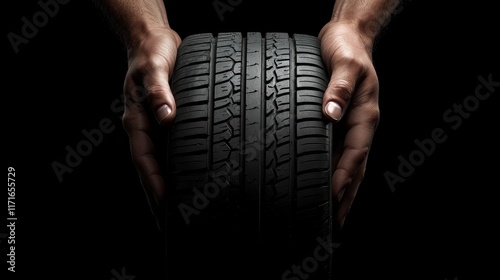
249	156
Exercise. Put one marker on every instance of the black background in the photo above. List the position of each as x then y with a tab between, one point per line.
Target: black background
437	224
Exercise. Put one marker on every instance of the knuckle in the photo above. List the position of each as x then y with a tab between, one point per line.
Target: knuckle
127	121
155	91
358	154
361	65
373	116
146	65
351	60
343	88
155	95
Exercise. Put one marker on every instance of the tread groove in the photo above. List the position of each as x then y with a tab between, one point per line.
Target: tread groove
249	122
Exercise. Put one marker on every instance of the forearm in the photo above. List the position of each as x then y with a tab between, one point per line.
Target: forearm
134	19
368	16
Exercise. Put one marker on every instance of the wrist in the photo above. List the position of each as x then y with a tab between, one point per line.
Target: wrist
366	18
140	30
350	28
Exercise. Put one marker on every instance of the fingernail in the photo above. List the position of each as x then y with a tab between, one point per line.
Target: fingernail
333	110
163	112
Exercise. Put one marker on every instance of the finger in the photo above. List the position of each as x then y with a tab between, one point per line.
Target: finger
340	89
138	128
361	125
159	94
349	195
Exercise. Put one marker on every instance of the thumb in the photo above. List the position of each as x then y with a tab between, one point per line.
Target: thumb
338	93
160	97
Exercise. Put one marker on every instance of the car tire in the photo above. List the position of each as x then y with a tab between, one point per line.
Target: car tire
248	158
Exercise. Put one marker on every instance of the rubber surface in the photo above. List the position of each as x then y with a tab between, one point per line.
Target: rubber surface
248	157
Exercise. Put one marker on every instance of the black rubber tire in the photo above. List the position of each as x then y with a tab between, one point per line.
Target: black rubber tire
249	157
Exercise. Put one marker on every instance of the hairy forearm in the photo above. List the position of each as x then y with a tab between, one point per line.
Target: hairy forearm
134	19
368	16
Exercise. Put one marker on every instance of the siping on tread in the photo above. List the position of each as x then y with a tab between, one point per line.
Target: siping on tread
249	124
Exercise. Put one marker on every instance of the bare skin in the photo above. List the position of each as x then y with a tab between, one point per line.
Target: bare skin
350	100
347	45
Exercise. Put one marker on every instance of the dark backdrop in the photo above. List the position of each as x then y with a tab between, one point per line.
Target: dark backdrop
95	222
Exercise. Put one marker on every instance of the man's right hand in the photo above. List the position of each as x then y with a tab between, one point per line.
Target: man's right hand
150	63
